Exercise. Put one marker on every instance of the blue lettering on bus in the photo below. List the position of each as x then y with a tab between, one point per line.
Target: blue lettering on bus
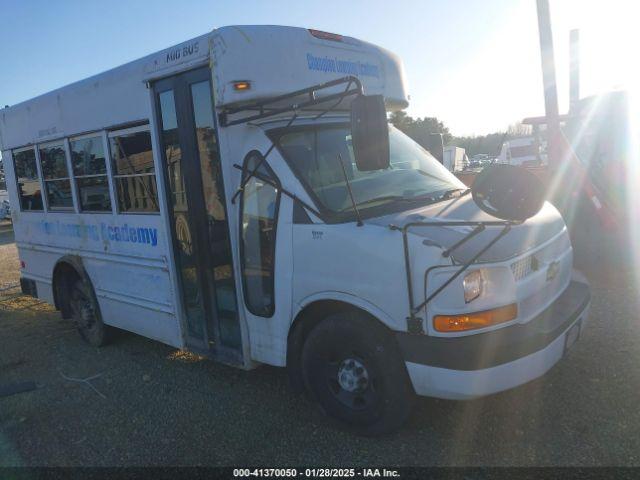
327	64
119	233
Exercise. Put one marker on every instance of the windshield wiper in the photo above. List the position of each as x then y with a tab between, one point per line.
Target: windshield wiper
396	198
348	183
447	194
431	197
387	198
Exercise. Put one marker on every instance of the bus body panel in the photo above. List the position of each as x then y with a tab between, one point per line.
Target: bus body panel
246	53
125	258
116	97
267	340
130	258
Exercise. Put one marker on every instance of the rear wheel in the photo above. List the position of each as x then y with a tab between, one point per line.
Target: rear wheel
355	372
86	314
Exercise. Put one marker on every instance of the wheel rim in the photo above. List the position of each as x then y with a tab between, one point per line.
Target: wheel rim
351	383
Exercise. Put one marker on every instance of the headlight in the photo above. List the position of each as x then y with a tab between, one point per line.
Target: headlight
473	284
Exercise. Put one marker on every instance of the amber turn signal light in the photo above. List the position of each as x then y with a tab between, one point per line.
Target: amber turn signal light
240	86
472	321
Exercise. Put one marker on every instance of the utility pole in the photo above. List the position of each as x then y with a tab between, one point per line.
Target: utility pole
574	69
549	84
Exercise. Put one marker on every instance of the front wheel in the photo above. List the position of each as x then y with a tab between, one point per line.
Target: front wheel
86	314
355	372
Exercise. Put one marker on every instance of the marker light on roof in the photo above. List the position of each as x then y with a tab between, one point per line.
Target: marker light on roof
241	86
326	35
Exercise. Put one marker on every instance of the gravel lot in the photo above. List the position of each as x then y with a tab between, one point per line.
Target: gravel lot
155	405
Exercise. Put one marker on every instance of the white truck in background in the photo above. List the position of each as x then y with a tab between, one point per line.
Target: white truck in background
454	158
524	151
5	211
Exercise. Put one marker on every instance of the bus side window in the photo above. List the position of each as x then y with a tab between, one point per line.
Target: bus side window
134	171
27	179
259	215
90	173
57	181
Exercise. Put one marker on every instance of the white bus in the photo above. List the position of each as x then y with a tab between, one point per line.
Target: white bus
241	195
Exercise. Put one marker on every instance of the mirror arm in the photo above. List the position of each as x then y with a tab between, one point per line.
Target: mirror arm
246	179
338	102
465	266
414	323
353	202
269	107
286	192
463	240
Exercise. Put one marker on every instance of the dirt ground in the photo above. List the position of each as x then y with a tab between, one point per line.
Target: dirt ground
150	404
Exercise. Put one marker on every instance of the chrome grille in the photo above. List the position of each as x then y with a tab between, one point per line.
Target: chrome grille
523	267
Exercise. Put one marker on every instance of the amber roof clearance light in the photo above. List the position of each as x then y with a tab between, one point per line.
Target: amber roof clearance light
334	37
241	85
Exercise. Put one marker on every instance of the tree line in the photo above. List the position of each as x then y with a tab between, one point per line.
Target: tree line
419	130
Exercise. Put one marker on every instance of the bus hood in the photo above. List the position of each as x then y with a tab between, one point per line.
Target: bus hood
535	231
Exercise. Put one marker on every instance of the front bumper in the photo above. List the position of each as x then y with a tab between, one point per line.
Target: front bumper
486	363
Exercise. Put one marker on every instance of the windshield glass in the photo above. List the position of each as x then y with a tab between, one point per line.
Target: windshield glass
414	175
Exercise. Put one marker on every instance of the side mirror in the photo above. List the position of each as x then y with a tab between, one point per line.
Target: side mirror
508	192
370	133
435	145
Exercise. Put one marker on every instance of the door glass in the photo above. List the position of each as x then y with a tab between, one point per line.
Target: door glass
218	228
186	263
258	232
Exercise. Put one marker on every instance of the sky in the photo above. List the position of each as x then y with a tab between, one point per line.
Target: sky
474	64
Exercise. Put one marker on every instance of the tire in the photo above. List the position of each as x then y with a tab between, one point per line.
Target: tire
85	313
354	370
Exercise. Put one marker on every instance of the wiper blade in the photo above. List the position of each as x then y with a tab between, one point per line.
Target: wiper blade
388	198
449	193
397	198
431	197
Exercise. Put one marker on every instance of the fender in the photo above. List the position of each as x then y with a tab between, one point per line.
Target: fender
359	302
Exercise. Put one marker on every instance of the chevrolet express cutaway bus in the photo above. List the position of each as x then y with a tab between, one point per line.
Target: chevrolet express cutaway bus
241	195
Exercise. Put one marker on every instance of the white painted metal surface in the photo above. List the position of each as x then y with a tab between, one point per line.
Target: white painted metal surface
464	385
129	257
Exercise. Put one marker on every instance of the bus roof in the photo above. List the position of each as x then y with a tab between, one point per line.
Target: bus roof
274	60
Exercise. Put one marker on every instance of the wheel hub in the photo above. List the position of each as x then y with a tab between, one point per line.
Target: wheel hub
353	375
85	313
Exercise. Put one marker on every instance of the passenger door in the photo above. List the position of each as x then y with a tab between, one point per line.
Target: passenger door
198	214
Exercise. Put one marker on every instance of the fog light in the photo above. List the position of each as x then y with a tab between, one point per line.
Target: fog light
471	321
473	284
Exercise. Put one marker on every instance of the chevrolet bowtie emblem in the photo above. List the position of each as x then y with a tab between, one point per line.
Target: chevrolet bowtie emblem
552	270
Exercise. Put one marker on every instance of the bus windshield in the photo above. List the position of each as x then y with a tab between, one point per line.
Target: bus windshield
413	176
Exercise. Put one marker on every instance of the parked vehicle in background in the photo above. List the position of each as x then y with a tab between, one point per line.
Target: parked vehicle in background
5	210
480	160
454	158
524	151
601	131
241	195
